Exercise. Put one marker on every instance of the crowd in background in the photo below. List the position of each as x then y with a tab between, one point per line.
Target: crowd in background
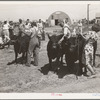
6	29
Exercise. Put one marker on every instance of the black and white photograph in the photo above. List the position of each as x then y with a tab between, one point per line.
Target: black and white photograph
50	47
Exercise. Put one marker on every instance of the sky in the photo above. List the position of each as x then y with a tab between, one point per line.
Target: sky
42	9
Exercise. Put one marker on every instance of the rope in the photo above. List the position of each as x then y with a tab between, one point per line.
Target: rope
78	59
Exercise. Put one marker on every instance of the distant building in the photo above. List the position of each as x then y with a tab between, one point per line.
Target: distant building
57	17
97	17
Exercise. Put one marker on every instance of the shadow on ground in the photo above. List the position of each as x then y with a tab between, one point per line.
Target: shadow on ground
19	61
61	71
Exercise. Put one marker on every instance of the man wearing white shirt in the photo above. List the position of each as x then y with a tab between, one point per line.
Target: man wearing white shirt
66	31
40	28
6	28
27	25
40	24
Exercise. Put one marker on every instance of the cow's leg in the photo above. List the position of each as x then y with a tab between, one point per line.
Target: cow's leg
67	62
80	66
70	63
56	68
62	58
95	48
85	71
23	56
94	57
50	63
9	44
16	55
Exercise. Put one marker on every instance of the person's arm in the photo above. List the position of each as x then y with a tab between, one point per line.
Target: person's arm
8	25
95	36
27	31
33	32
66	33
7	38
38	25
67	27
86	37
42	25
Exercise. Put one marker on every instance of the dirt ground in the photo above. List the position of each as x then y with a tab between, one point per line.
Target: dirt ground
17	78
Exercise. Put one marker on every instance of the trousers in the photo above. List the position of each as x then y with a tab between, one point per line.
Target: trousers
33	49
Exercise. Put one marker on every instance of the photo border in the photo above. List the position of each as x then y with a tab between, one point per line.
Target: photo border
65	96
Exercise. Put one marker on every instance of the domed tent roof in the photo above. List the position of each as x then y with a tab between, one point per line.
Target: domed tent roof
59	15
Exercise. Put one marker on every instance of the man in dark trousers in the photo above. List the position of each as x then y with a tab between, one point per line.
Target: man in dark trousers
33	46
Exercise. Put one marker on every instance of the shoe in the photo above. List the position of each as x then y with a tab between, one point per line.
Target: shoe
35	65
27	65
85	74
92	76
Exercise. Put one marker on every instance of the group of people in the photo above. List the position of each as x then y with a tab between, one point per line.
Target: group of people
5	33
6	30
90	37
35	30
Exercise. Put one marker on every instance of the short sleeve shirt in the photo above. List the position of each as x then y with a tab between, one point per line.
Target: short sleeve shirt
66	30
27	27
6	26
33	32
79	24
40	25
91	35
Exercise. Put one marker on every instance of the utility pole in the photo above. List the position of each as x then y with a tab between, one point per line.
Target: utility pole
88	15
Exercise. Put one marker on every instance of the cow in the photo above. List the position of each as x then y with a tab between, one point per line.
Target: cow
53	49
20	42
73	48
74	52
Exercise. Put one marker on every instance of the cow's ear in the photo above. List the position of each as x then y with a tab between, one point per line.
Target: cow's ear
48	36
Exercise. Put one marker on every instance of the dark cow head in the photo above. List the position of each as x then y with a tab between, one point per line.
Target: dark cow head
13	40
16	30
73	44
54	40
16	34
96	27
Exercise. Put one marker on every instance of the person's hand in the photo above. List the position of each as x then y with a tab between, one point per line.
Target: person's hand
59	42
